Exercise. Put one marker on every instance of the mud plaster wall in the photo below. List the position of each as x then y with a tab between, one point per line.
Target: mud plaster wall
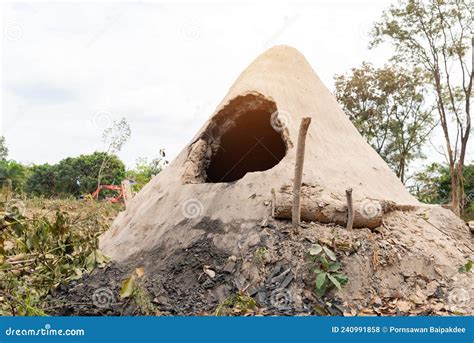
245	136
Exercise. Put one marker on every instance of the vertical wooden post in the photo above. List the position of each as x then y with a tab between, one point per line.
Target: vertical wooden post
350	209
296	210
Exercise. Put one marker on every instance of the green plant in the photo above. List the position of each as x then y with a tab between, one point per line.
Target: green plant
432	185
145	170
326	267
237	304
132	288
42	247
466	268
260	253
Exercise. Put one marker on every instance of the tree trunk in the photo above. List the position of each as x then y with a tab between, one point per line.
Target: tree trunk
456	189
322	212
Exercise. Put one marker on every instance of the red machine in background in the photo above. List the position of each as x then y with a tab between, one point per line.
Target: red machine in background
123	192
118	198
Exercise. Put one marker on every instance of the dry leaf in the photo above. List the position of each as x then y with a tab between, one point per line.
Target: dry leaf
437	307
403	306
431	288
140	272
209	271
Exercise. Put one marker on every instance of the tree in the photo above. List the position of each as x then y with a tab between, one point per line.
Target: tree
3	149
78	175
113	138
433	186
74	175
387	106
42	181
15	172
435	35
144	170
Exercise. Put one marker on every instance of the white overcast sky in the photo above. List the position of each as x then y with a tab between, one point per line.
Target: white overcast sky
70	68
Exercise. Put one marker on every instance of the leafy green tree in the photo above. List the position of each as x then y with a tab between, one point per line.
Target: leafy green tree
436	35
15	172
42	181
75	175
433	186
78	175
387	106
145	170
3	149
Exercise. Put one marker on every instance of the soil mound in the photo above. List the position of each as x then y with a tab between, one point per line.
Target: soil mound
205	229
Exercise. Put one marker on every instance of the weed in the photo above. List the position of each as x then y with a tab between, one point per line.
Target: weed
133	288
260	254
466	268
236	304
326	267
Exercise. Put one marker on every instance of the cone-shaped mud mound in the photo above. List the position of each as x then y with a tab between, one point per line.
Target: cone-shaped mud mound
211	228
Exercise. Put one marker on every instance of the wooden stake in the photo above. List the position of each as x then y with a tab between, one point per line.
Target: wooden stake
350	209
296	211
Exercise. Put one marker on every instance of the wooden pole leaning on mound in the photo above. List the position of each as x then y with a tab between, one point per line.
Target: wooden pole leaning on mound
296	210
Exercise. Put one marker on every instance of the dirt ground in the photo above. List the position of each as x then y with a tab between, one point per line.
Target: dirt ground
409	266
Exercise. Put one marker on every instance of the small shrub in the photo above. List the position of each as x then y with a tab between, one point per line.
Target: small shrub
326	267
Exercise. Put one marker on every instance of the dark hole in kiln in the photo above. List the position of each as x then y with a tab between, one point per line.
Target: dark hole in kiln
246	140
